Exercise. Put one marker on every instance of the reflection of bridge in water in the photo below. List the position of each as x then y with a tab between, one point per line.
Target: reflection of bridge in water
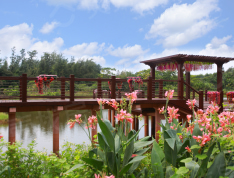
19	94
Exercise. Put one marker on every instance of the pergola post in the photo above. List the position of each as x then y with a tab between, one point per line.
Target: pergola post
188	82
146	126
220	84
180	79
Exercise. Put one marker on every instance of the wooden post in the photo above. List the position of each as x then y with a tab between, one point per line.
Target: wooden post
201	102
152	74
93	131
219	83
21	88
149	89
137	124
161	89
188	82
146	126
113	89
56	130
24	87
205	95
113	118
109	115
99	88
158	118
72	87
153	126
180	79
11	114
62	88
134	123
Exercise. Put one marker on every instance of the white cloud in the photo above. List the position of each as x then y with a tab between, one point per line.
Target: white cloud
48	27
180	24
122	61
45	46
217	47
84	49
19	36
138	6
127	51
97	59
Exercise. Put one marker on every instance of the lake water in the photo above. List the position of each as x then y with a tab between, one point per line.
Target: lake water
39	126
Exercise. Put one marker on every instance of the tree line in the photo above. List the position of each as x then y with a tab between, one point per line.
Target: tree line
57	64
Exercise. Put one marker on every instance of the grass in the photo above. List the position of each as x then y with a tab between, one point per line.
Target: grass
3	116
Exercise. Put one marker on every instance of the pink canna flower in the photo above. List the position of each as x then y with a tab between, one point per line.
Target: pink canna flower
172	112
71	124
188	149
97	176
189	118
78	118
220	129
202	140
110	176
161	110
169	94
191	103
132	96
133	155
92	122
1	136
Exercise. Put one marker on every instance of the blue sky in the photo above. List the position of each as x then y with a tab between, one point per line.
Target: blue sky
118	33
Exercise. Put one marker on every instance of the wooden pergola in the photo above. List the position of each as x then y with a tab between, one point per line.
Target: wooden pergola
180	59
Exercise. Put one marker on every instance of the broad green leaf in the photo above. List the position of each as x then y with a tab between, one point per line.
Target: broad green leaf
125	169
117	143
169	172
203	168
156	164
145	138
97	164
203	156
218	168
230	167
128	153
141	144
170	142
182	147
74	167
195	147
107	133
169	134
111	162
141	152
187	160
137	158
182	170
108	124
102	142
170	150
101	155
131	133
158	150
194	167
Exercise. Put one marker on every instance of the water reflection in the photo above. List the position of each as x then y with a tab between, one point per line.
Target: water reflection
39	125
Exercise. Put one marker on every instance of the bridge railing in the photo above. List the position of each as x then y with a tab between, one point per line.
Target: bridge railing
23	88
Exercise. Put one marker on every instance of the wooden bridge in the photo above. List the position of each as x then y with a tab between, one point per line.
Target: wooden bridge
20	94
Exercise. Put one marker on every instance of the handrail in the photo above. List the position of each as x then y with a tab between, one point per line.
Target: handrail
191	87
